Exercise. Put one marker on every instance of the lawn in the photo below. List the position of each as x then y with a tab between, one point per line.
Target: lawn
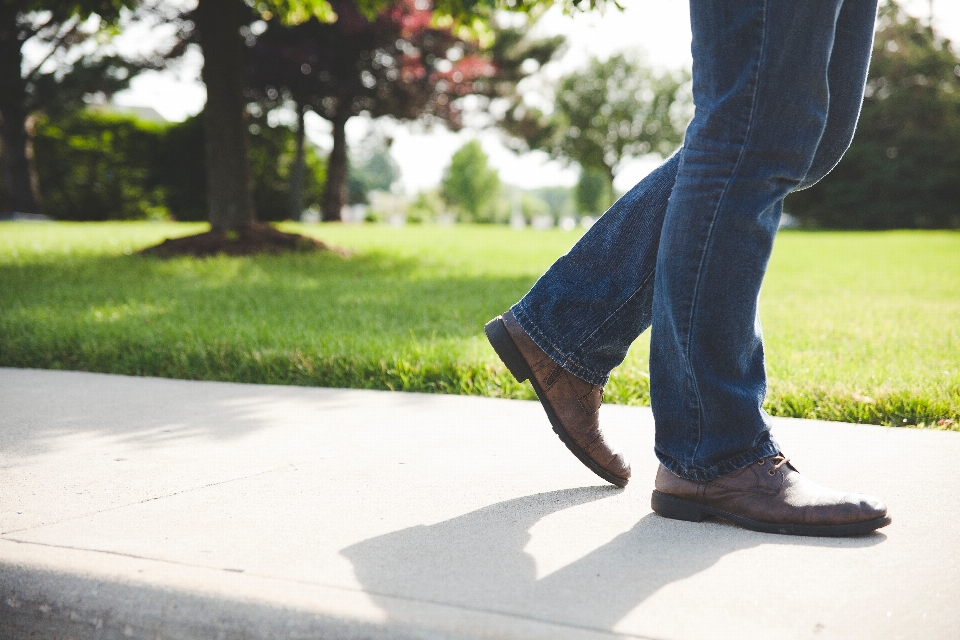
861	327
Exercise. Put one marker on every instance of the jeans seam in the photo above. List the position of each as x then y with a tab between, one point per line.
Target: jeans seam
620	308
568	359
730	465
713	219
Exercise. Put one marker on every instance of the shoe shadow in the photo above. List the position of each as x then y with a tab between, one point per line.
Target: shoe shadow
477	561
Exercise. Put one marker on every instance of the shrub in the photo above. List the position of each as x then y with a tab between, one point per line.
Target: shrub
101	166
98	167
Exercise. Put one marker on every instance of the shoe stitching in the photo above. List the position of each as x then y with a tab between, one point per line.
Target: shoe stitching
584	408
552	378
588	446
759	489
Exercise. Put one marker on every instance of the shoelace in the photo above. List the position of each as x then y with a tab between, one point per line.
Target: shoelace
780	459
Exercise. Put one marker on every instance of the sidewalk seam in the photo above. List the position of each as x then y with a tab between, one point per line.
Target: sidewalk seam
435	603
289	465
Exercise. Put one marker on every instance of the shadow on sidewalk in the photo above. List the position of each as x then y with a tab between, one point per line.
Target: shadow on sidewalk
41	407
477	561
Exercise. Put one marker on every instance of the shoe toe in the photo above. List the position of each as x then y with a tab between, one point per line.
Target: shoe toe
871	507
619	466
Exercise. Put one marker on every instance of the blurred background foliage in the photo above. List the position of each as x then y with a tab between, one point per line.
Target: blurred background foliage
91	162
107	166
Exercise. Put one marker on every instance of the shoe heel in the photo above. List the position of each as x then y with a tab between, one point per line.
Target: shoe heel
503	344
675	508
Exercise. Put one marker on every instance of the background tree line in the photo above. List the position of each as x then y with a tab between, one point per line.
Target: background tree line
902	170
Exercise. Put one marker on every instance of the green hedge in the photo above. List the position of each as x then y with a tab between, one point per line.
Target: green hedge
97	166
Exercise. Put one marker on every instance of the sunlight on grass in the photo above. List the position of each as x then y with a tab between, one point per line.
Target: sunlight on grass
860	327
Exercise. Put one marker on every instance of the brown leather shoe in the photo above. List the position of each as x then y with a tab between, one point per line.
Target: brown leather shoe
572	404
770	496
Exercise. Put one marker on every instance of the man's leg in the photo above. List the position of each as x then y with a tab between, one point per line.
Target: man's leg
580	318
586	311
762	77
762	96
594	302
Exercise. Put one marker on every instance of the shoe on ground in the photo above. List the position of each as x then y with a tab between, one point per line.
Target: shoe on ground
572	404
771	496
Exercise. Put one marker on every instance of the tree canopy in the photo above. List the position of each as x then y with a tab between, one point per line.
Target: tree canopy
398	64
593	193
612	111
470	185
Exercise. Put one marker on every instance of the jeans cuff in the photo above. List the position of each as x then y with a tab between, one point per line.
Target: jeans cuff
730	465
564	360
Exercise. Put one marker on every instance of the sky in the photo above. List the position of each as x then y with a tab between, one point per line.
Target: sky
660	29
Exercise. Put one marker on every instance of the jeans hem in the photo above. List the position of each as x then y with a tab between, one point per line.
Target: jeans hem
730	465
555	354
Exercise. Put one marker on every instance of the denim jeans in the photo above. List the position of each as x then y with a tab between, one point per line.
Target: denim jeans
777	86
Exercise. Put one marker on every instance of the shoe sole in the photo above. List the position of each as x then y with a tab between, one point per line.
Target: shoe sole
681	509
510	354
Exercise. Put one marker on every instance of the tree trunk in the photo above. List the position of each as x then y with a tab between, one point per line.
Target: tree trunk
296	171
335	191
17	188
229	202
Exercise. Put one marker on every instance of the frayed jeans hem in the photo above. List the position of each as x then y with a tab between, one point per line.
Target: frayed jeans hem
730	465
566	361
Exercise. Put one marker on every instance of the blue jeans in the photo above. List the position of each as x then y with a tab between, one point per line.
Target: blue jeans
777	86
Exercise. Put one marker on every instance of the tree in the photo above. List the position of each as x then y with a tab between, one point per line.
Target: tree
397	65
225	95
426	207
559	199
612	111
375	171
229	201
593	192
516	57
903	168
470	185
55	27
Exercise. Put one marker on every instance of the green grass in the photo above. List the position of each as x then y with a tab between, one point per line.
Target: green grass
861	327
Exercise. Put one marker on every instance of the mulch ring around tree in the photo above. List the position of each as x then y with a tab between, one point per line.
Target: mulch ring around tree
259	238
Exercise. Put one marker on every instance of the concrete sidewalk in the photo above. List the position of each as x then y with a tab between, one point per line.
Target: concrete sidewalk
149	508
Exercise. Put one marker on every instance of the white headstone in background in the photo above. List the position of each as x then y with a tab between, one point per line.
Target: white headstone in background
542	223
567	223
446	219
392	206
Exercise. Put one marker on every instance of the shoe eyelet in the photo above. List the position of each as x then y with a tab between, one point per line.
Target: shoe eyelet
772	472
760	462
